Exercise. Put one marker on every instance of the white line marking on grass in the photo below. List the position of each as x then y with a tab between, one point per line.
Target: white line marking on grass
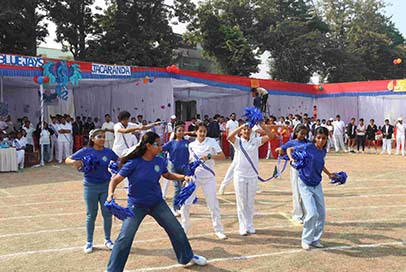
42	194
41	203
293	222
226	200
39	215
367	196
18	254
5	192
26	253
287	252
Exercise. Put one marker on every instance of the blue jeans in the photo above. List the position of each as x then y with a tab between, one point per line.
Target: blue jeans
163	215
315	212
93	195
176	183
47	153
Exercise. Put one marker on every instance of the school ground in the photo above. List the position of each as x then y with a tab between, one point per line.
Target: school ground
42	220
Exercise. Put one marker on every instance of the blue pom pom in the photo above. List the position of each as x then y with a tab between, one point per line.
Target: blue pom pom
301	158
118	211
184	194
113	167
90	163
254	116
191	168
341	178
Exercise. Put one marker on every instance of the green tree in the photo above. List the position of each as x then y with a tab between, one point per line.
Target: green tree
74	24
219	28
21	26
138	32
366	41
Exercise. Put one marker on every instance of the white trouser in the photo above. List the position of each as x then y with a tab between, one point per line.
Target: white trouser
109	143
339	142
400	141
20	158
298	210
229	176
54	148
245	191
164	188
63	151
387	146
209	189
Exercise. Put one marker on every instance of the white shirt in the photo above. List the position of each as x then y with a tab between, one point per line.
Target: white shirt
231	125
45	139
400	130
109	135
339	127
362	129
160	130
3	125
209	145
242	166
123	141
295	122
29	131
64	137
171	127
262	91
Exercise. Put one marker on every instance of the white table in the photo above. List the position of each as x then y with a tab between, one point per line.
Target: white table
8	160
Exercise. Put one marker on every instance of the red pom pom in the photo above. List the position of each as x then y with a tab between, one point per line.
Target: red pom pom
46	79
35	78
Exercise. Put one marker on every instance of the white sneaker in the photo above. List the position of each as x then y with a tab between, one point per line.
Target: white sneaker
199	260
221	235
243	233
317	244
305	246
88	248
251	231
109	244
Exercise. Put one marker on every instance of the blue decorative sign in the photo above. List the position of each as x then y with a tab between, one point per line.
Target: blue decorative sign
21	60
111	70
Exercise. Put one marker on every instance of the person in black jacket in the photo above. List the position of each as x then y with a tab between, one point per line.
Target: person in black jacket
371	131
387	132
351	133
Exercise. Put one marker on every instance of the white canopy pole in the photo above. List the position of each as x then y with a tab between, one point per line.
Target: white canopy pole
1	90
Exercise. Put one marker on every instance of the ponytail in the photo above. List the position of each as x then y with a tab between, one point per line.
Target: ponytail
140	149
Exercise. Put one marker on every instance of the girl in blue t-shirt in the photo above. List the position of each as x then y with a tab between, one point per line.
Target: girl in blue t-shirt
310	187
299	138
96	184
178	150
144	168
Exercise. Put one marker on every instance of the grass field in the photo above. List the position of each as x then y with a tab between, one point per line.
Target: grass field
42	220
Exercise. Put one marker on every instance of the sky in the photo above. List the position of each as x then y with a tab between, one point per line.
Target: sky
395	8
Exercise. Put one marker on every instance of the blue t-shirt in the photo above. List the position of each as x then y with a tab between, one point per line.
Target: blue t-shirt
143	180
104	156
311	173
178	152
294	142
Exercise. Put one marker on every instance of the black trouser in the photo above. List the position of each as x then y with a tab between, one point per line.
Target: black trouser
361	142
263	103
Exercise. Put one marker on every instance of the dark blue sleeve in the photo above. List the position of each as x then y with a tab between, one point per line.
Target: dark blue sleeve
113	155
80	154
287	145
164	166
127	168
303	147
167	146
